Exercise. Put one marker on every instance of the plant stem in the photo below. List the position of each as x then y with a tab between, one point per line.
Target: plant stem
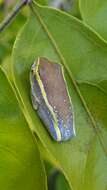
12	15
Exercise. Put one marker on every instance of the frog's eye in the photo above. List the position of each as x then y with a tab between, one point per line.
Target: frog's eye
55	107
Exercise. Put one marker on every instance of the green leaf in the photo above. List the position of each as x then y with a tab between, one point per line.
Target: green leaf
7	37
1	1
61	183
75	9
42	2
60	37
94	13
20	163
6	67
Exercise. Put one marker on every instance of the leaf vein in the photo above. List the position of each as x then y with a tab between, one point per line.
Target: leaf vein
43	24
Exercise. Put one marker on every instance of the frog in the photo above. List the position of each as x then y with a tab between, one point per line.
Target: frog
51	99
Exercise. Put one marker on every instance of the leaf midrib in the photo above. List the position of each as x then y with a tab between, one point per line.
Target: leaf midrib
63	60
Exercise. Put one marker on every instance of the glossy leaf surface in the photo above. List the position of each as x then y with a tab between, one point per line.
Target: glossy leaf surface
20	163
83	159
94	13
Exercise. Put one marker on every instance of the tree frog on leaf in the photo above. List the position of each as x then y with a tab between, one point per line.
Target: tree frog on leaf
51	99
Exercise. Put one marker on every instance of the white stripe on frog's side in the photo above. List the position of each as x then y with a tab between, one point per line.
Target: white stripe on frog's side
58	132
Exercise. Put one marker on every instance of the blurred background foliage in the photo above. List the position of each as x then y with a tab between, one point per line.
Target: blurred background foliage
56	180
8	36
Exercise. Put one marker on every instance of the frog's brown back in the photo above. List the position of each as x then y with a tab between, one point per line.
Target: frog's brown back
55	87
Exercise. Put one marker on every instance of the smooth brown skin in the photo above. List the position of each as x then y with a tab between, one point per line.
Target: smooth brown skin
55	88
